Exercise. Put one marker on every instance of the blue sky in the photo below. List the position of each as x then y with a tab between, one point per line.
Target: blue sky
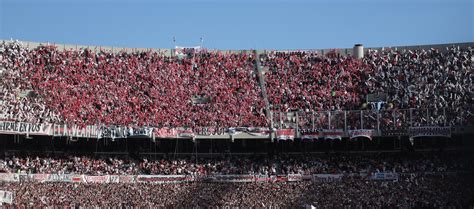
243	24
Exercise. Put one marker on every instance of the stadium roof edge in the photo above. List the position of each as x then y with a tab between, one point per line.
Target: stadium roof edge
168	50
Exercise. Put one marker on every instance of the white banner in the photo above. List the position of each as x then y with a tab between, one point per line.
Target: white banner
82	132
161	179
181	51
254	131
10	127
295	177
6	197
127	179
114	179
50	178
60	130
35	177
96	179
9	177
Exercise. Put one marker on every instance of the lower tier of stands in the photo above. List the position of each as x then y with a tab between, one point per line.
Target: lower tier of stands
412	191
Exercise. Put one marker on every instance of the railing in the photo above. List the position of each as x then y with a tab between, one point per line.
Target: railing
370	119
378	122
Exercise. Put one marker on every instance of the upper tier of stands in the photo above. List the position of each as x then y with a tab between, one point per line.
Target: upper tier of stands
217	89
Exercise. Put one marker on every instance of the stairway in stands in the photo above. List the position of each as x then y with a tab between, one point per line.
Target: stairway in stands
261	77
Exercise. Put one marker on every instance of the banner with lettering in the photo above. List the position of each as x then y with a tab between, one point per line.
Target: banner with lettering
310	134
429	131
165	132
163	179
366	133
9	177
231	178
322	134
35	178
10	127
209	131
6	197
60	130
50	178
65	178
262	178
181	51
80	132
143	132
327	177
285	134
127	178
279	178
114	179
295	177
96	179
112	132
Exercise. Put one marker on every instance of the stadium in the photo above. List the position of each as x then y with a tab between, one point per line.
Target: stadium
193	127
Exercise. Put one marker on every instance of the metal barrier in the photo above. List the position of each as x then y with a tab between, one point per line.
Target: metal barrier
371	119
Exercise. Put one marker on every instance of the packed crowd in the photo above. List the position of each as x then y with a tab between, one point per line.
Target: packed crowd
68	165
412	192
84	87
310	82
438	84
259	165
213	89
16	102
426	79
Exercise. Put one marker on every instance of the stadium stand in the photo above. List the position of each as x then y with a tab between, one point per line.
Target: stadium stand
409	192
82	87
255	165
426	80
108	128
382	180
213	89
